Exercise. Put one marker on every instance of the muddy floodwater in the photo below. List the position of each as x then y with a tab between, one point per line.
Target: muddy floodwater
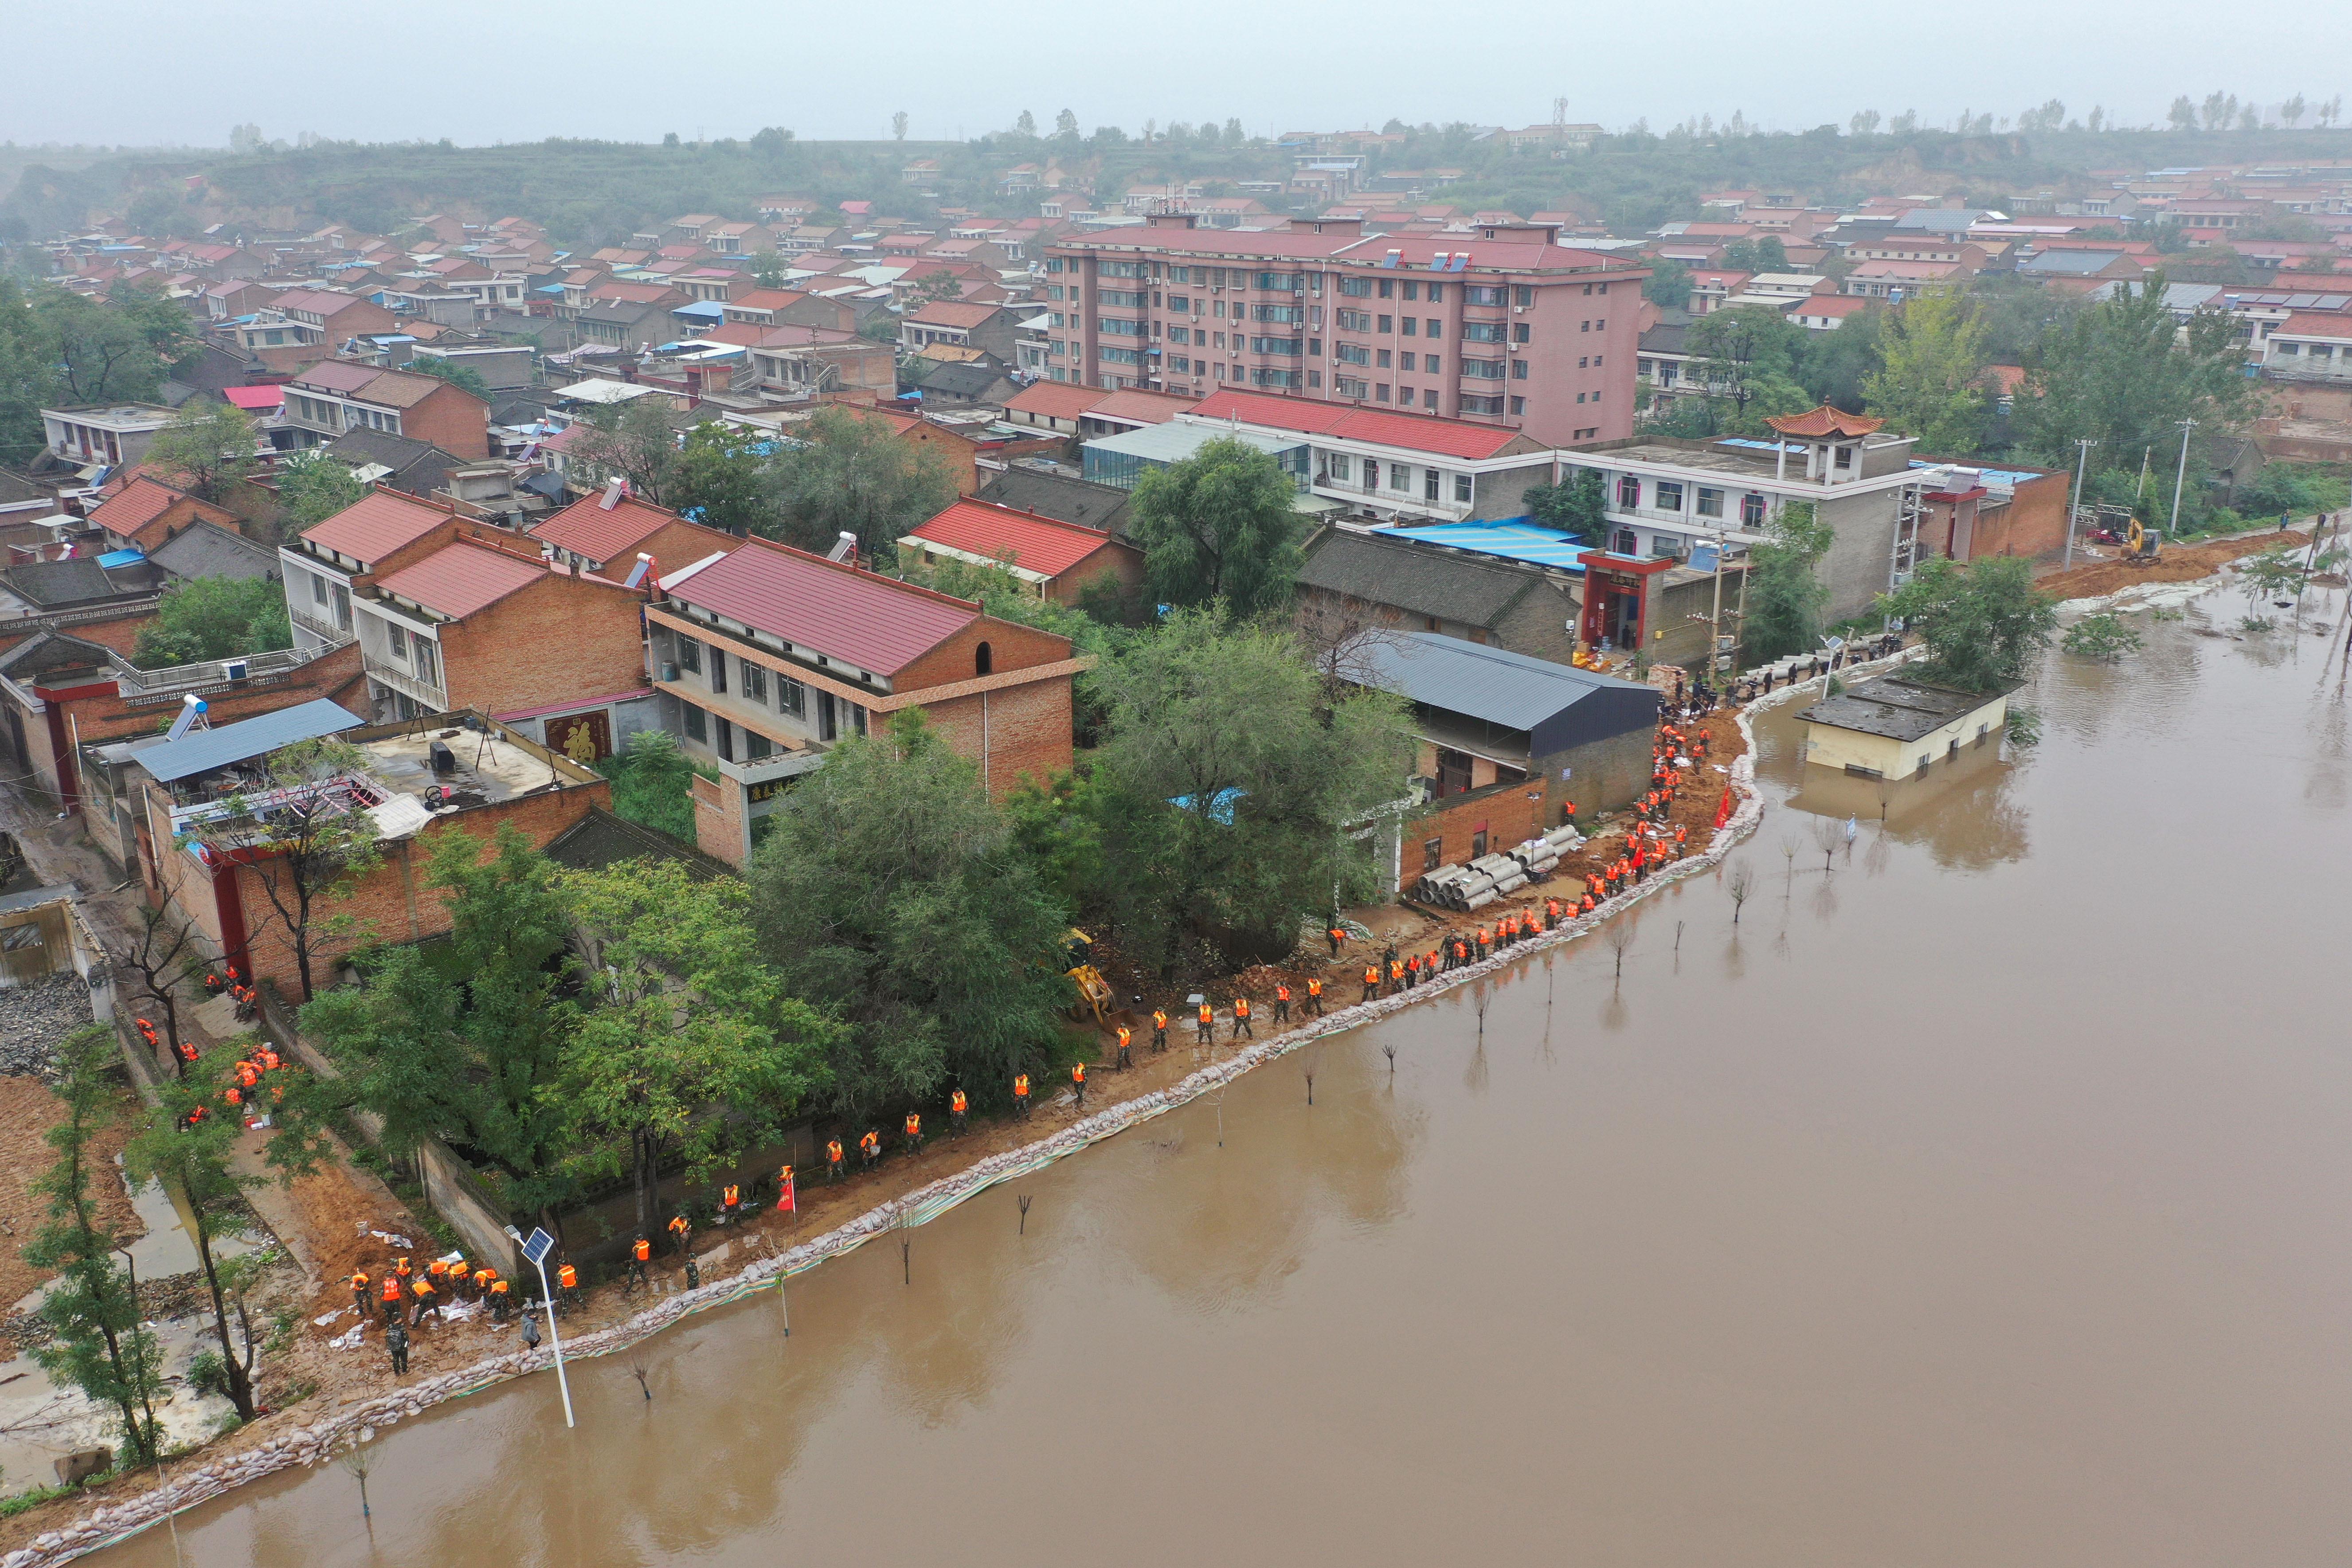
1981	1200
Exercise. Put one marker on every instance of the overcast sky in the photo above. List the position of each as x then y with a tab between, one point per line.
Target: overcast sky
146	71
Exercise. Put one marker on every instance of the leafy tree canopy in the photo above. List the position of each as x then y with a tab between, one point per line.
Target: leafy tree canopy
1984	624
215	617
1219	527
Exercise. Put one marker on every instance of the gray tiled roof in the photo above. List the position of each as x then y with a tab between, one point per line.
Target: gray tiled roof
1415	578
1060	497
206	549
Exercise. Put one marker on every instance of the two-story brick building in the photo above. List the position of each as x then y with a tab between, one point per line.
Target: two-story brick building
337	395
769	658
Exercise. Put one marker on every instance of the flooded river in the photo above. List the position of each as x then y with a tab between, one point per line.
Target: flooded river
1982	1200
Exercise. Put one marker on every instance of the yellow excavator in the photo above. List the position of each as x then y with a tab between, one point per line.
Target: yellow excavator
2141	544
1094	991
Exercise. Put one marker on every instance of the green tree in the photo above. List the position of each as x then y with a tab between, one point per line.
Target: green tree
98	1343
1931	361
2123	372
888	892
770	270
464	377
1229	779
849	473
208	448
939	285
455	1040
1836	365
1984	624
311	488
1579	504
1219	527
1668	285
310	851
653	782
1763	254
898	126
1785	592
634	441
1746	360
686	1046
214	617
1026	125
189	1140
721	478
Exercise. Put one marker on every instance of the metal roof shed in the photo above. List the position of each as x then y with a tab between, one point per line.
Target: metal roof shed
1557	706
203	749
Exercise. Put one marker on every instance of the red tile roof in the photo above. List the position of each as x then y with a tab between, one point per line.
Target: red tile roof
1040	545
376	525
948	313
1055	399
133	507
2315	324
459	579
1414	432
767	300
586	528
871	622
1144	408
1824	421
255	398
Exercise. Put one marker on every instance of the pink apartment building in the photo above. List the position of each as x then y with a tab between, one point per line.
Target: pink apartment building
1498	323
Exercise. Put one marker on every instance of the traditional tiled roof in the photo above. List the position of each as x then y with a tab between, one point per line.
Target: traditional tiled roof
1039	545
376	525
868	621
948	313
461	578
1414	432
1824	421
1056	399
586	528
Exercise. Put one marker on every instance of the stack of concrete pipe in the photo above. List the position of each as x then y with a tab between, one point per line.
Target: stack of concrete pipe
1481	881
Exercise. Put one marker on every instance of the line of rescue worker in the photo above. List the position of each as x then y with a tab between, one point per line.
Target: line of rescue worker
257	1080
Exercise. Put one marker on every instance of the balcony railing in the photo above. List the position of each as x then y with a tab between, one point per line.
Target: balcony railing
136	682
319	628
399	680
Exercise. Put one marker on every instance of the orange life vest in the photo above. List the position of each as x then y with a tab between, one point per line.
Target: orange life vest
956	1102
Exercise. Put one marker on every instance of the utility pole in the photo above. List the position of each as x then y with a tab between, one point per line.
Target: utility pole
2082	461
2180	476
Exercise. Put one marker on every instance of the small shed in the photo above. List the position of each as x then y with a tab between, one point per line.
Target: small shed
1896	727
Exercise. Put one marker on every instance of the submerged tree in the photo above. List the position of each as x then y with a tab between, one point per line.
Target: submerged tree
1984	624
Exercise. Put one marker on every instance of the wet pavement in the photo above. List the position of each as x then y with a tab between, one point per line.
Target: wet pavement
1981	1199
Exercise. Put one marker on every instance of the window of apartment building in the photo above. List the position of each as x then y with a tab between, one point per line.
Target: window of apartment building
1518	370
1601	325
1437	292
1351	353
1118	327
1429	363
1412	326
1315	378
1461	488
1596	361
1518	332
755	682
1481	332
1604	288
1481	294
1435	327
1388	323
1052	264
1412	290
318	588
690	654
1336	467
791	697
1523	294
1180	335
1584	326
1281	282
1120	269
1119	356
1356	288
718	669
1670	496
1353	320
1055	291
1751	510
1629	491
1119	299
1386	359
1518	405
1274	377
1483	369
698	727
1275	345
1388	287
1296	313
1404	397
1625	543
755	744
1429	398
1710	502
1350	386
1180	364
1181	275
1401	477
1372	465
1181	304
395	637
1473	405
1379	395
1430	481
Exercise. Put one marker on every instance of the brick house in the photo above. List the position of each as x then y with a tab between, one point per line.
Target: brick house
554	652
336	394
769	658
1053	560
145	512
606	532
334	562
208	865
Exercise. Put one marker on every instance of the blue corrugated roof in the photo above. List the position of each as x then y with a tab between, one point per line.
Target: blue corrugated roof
710	308
1510	541
203	749
122	557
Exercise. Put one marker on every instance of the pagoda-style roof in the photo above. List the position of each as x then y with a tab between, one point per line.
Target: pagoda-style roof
1823	423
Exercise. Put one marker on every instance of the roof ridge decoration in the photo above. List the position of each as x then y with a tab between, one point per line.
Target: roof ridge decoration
1824	421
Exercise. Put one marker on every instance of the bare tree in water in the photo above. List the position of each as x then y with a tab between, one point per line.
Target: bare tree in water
1740	884
1621	937
1826	838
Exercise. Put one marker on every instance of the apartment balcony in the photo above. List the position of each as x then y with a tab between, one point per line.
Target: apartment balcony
318	626
256	670
385	673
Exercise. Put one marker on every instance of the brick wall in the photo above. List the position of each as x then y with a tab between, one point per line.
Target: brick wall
1011	645
452	419
2033	523
1507	812
558	639
1119	563
1017	733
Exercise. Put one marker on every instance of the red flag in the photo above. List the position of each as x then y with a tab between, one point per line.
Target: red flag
1723	812
784	1199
